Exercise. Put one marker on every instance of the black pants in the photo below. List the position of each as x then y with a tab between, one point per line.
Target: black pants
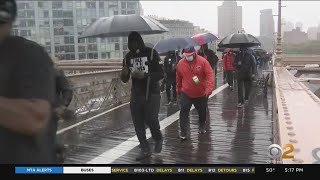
244	83
230	77
171	82
186	102
146	112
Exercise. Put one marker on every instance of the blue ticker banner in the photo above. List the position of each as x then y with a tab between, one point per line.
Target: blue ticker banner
39	170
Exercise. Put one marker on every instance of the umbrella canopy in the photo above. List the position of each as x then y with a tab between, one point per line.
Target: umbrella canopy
259	50
238	40
223	49
122	25
150	45
172	44
205	38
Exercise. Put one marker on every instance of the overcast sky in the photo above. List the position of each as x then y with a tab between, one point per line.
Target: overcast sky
204	13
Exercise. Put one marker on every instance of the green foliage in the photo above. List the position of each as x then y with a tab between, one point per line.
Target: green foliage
310	47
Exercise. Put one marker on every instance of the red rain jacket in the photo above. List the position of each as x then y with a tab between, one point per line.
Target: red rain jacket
228	60
199	67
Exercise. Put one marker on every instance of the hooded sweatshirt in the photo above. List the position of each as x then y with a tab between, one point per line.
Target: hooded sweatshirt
209	55
245	64
143	59
170	63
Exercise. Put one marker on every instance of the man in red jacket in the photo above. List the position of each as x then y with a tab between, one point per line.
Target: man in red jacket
228	66
195	81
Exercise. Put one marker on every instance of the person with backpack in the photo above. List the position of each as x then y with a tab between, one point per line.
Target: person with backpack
245	70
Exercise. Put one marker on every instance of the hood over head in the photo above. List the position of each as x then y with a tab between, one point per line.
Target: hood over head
135	42
204	47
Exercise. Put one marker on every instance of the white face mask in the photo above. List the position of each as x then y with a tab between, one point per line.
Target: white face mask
189	58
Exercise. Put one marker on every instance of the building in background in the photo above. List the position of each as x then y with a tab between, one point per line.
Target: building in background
57	25
299	25
177	28
295	36
286	26
229	18
267	33
266	23
312	33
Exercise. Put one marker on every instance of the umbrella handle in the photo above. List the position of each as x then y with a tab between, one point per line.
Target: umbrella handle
147	91
148	78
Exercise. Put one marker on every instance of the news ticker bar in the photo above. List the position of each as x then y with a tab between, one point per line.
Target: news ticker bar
134	170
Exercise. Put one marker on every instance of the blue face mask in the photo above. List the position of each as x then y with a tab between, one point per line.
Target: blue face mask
189	58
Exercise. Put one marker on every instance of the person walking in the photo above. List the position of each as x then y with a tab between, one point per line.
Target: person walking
195	81
63	98
246	70
142	64
229	67
170	64
212	58
26	96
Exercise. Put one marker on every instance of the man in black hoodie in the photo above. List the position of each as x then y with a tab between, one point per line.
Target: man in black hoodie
143	64
246	70
210	56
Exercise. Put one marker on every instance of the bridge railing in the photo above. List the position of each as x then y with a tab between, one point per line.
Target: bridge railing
97	91
296	112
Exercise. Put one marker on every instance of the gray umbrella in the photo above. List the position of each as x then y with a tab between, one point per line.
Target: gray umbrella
238	40
122	25
172	44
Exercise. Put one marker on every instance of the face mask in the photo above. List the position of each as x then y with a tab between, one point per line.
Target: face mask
189	58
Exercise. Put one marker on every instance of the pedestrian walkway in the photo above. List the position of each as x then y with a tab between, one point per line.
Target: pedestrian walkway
233	135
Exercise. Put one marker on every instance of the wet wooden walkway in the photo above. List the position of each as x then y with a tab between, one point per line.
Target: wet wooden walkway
234	136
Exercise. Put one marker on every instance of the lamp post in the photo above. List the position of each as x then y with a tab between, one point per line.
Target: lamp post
278	59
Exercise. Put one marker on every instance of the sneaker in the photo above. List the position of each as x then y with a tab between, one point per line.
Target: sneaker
240	105
158	146
143	155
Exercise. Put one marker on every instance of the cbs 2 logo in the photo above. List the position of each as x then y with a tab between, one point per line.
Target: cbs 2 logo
275	151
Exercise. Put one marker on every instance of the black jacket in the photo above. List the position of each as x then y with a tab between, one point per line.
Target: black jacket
211	57
170	64
64	91
247	67
146	60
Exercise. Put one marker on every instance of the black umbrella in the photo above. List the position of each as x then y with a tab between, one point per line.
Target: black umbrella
172	44
238	40
122	25
223	49
259	50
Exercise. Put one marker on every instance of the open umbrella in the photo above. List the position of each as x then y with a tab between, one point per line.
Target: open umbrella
122	25
205	38
259	50
223	49
172	44
238	40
